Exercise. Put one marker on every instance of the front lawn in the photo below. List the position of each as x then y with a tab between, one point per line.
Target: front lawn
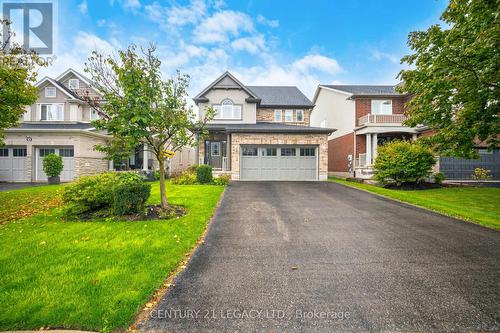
92	275
476	204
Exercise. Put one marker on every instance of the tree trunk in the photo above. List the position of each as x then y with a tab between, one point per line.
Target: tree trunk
163	192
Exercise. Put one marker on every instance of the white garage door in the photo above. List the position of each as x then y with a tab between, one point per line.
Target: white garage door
279	162
66	153
13	164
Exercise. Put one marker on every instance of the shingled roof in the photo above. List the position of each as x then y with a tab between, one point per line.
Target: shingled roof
275	96
366	90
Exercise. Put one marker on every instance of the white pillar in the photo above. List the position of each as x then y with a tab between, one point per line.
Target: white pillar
111	165
145	158
375	146
368	149
414	137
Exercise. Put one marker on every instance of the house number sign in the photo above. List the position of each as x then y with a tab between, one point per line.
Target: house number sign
29	138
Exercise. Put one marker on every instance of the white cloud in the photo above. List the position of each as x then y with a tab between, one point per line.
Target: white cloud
219	27
264	21
378	55
83	7
176	16
131	4
317	62
252	44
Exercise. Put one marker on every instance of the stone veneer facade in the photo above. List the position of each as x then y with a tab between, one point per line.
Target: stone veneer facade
267	115
85	166
238	139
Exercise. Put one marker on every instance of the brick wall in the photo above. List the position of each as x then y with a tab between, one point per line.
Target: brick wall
338	150
363	106
267	115
360	144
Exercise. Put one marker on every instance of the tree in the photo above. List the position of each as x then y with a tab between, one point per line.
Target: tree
403	161
139	105
17	76
117	149
456	77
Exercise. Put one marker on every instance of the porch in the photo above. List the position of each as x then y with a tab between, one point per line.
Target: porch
216	152
367	149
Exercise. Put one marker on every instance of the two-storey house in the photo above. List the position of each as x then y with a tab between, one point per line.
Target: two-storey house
365	116
60	122
261	132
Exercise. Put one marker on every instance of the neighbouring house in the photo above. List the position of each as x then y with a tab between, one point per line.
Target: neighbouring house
60	122
367	116
261	132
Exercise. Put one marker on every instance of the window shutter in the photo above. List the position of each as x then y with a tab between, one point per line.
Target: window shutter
38	115
73	112
237	111
27	114
60	111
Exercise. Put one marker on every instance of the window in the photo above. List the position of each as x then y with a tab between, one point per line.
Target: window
4	152
66	152
299	114
484	151
19	152
380	106
277	116
249	151
269	152
45	151
307	151
52	112
74	84
227	110
94	115
288	152
289	115
215	148
50	92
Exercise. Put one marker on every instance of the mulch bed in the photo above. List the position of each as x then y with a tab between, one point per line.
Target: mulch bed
153	212
414	186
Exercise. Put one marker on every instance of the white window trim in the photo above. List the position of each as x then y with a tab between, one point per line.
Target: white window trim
297	115
219	114
50	88
52	105
280	116
381	101
288	112
77	83
90	115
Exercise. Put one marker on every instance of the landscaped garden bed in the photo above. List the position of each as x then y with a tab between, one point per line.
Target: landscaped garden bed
97	274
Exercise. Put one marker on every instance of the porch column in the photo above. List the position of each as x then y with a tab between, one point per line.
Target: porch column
414	137
228	152
111	165
375	146
368	149
145	158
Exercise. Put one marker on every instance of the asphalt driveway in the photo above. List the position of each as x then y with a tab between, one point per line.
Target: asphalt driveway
321	257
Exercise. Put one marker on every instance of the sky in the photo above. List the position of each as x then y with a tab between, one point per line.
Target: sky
261	42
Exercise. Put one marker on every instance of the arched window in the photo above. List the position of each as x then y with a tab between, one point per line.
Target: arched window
227	110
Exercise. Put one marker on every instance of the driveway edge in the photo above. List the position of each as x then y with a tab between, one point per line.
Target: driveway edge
410	205
169	281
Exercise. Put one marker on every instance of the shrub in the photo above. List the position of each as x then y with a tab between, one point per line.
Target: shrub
481	175
403	161
439	177
204	174
92	193
223	179
186	177
130	198
52	165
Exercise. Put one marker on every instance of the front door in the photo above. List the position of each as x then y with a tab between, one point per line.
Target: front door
215	153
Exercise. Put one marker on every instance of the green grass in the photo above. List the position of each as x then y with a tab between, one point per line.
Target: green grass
92	275
480	205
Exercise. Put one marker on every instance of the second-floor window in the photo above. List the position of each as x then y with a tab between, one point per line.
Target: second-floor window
277	116
53	112
299	114
227	110
74	84
288	116
94	115
50	92
381	106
